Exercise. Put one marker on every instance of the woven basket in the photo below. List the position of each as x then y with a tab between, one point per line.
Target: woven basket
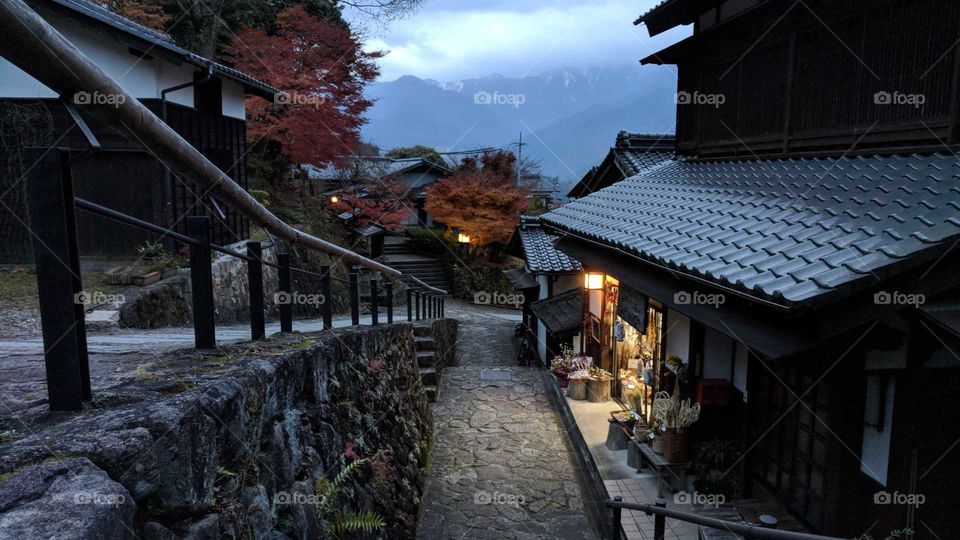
675	445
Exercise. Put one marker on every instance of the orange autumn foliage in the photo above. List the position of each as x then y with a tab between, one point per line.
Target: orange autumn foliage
482	198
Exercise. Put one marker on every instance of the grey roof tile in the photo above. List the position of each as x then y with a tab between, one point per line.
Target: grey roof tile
541	255
793	229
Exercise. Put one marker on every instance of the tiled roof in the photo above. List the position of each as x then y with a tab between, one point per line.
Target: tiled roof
633	162
159	39
375	165
539	251
520	280
786	231
561	313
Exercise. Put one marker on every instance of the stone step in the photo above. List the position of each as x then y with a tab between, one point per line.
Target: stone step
428	376
431	392
423	343
423	330
426	358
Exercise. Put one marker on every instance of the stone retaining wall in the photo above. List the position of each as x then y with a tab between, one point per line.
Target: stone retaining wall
230	444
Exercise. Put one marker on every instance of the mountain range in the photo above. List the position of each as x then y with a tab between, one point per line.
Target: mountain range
569	117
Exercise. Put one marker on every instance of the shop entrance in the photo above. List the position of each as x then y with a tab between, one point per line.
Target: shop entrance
639	353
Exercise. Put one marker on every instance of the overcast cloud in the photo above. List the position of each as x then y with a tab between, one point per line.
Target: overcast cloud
461	39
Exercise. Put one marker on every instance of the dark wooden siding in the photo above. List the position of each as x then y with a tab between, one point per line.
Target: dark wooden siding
223	141
125	177
806	82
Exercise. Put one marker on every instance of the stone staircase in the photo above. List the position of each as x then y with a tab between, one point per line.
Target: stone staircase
427	361
429	271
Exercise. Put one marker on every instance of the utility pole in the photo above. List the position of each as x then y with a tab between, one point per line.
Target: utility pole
520	146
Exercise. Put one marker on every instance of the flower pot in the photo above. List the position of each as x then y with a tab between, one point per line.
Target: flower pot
675	445
562	381
657	445
577	389
598	390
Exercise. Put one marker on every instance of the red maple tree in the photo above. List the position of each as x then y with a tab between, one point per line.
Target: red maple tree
379	201
322	69
482	198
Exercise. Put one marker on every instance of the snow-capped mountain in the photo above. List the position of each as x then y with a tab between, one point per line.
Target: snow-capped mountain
569	117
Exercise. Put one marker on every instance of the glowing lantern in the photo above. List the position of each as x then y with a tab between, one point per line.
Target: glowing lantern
593	281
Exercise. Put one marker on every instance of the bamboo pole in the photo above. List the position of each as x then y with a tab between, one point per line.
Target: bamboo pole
30	43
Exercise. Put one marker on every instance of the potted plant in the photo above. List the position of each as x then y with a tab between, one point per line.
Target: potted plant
578	377
675	416
598	386
712	463
561	365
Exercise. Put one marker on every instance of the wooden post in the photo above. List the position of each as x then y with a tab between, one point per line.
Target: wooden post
389	292
327	307
201	280
659	522
616	515
284	293
417	295
258	327
355	296
374	301
409	304
56	280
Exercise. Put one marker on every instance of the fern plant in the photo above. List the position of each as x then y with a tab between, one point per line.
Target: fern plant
344	522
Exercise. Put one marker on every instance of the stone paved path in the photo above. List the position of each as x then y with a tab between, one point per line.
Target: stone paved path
499	467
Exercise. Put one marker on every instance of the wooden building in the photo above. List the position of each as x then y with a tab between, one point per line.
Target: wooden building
201	99
413	174
800	248
632	154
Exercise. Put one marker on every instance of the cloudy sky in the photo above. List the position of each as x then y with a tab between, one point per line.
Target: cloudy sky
459	39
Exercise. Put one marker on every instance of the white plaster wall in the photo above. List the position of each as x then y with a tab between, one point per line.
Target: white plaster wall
875	448
233	100
142	78
678	335
541	329
740	374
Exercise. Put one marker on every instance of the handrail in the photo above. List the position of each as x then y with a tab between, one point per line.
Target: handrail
424	285
120	217
33	45
747	530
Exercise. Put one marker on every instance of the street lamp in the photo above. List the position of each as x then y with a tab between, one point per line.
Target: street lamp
334	199
464	241
592	281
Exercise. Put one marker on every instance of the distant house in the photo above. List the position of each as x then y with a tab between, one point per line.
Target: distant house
632	154
201	99
414	174
553	280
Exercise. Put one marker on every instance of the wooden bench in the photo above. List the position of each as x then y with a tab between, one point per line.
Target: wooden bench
659	463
